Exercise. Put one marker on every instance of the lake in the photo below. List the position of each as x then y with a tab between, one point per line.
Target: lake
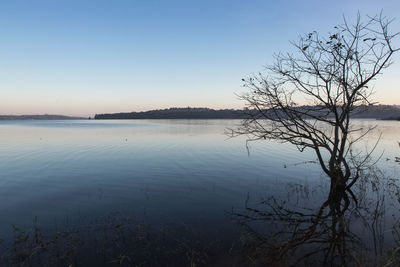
160	172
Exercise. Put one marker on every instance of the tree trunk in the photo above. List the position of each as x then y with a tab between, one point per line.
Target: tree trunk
338	185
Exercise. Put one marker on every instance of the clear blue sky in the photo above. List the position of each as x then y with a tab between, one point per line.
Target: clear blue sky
86	57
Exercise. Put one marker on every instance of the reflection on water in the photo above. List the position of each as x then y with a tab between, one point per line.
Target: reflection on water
187	173
348	228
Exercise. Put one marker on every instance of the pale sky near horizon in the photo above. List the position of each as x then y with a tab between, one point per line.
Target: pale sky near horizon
87	57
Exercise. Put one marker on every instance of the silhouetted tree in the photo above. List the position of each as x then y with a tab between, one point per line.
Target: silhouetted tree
329	76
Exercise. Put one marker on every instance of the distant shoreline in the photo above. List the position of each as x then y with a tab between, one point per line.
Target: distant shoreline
379	112
176	113
38	117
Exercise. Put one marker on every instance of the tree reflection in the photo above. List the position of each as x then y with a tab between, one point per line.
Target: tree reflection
348	228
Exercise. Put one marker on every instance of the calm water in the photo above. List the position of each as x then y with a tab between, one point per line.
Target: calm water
160	171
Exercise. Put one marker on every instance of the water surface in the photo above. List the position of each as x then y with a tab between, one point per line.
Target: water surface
159	171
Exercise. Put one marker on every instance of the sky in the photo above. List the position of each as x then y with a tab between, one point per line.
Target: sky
82	58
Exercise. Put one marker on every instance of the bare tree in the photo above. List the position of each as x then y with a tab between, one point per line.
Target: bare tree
329	76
